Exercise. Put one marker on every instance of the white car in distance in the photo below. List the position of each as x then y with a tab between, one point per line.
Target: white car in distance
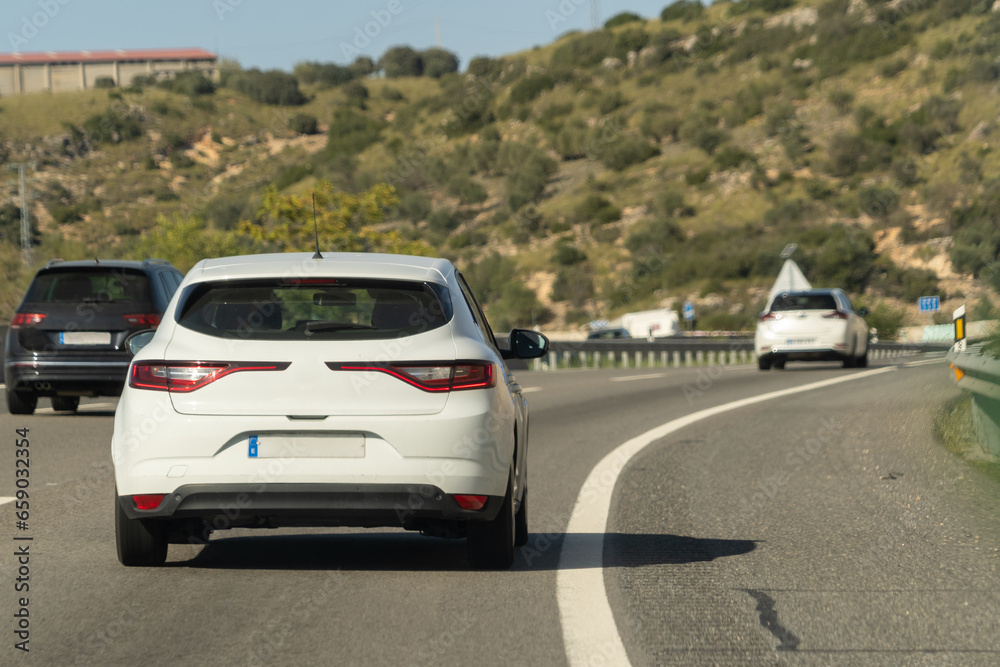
811	325
345	390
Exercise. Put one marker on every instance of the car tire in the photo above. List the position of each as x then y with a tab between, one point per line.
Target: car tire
850	361
863	360
763	364
779	365
65	403
490	544
521	521
140	543
21	402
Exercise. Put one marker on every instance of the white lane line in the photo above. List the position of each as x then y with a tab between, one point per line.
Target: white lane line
629	378
588	624
4	500
530	390
925	362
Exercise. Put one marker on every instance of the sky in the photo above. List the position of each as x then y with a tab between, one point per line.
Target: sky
277	35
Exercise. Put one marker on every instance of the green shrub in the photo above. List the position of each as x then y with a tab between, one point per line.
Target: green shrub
355	92
192	84
438	62
392	94
486	68
574	284
886	318
621	19
626	152
303	123
596	209
271	87
327	74
113	126
894	67
401	61
568	255
466	189
443	221
415	206
181	160
878	202
612	101
733	157
584	50
683	10
531	87
629	40
352	132
842	100
703	132
105	82
292	174
660	123
697	176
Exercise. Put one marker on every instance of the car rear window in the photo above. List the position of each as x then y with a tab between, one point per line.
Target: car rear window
85	285
314	309
804	302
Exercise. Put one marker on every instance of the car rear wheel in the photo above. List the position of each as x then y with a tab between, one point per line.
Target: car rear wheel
21	402
780	365
521	521
763	364
140	543
65	403
863	359
490	544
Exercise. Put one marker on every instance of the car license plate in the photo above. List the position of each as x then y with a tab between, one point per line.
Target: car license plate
801	341
85	338
307	446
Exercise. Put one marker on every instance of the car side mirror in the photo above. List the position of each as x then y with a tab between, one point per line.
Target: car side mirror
525	344
138	340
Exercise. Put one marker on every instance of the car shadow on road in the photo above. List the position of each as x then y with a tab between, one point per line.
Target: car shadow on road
411	552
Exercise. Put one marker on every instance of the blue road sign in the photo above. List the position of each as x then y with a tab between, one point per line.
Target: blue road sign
688	310
929	304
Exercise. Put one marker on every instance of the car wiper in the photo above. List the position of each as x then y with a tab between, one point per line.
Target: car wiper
321	326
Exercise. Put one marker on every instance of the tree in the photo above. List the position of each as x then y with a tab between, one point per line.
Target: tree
344	222
438	62
400	61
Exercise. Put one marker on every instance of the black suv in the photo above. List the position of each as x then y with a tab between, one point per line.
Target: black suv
65	340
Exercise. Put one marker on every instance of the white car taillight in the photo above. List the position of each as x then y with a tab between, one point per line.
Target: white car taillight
836	315
770	316
432	377
185	376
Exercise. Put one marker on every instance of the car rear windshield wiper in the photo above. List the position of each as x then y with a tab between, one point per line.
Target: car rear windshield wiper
320	326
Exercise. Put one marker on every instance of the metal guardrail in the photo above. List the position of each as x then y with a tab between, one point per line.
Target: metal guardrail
680	352
979	374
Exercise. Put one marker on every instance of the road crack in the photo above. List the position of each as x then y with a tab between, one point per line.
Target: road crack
769	620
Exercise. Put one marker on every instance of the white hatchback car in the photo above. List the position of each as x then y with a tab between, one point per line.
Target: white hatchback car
812	325
346	390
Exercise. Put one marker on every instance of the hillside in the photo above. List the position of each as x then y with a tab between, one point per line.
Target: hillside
641	165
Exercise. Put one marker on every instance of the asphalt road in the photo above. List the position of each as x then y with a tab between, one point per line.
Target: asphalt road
825	527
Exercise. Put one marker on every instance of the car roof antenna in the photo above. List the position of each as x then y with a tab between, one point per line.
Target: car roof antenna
318	255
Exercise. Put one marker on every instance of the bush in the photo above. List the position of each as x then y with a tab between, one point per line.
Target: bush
303	123
271	87
355	92
486	68
629	40
574	284
401	61
415	206
612	101
584	50
291	175
622	19
105	82
878	202
352	132
113	126
192	84
328	74
732	157
568	255
626	152
466	189
438	62
886	319
683	10
392	94
596	209
443	221
531	87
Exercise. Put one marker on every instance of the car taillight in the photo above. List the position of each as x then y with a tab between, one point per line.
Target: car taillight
770	316
433	376
149	501
142	319
185	376
26	320
836	314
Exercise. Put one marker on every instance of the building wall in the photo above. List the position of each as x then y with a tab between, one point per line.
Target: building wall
15	79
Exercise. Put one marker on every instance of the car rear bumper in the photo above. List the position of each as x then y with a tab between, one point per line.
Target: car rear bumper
223	506
51	377
798	354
